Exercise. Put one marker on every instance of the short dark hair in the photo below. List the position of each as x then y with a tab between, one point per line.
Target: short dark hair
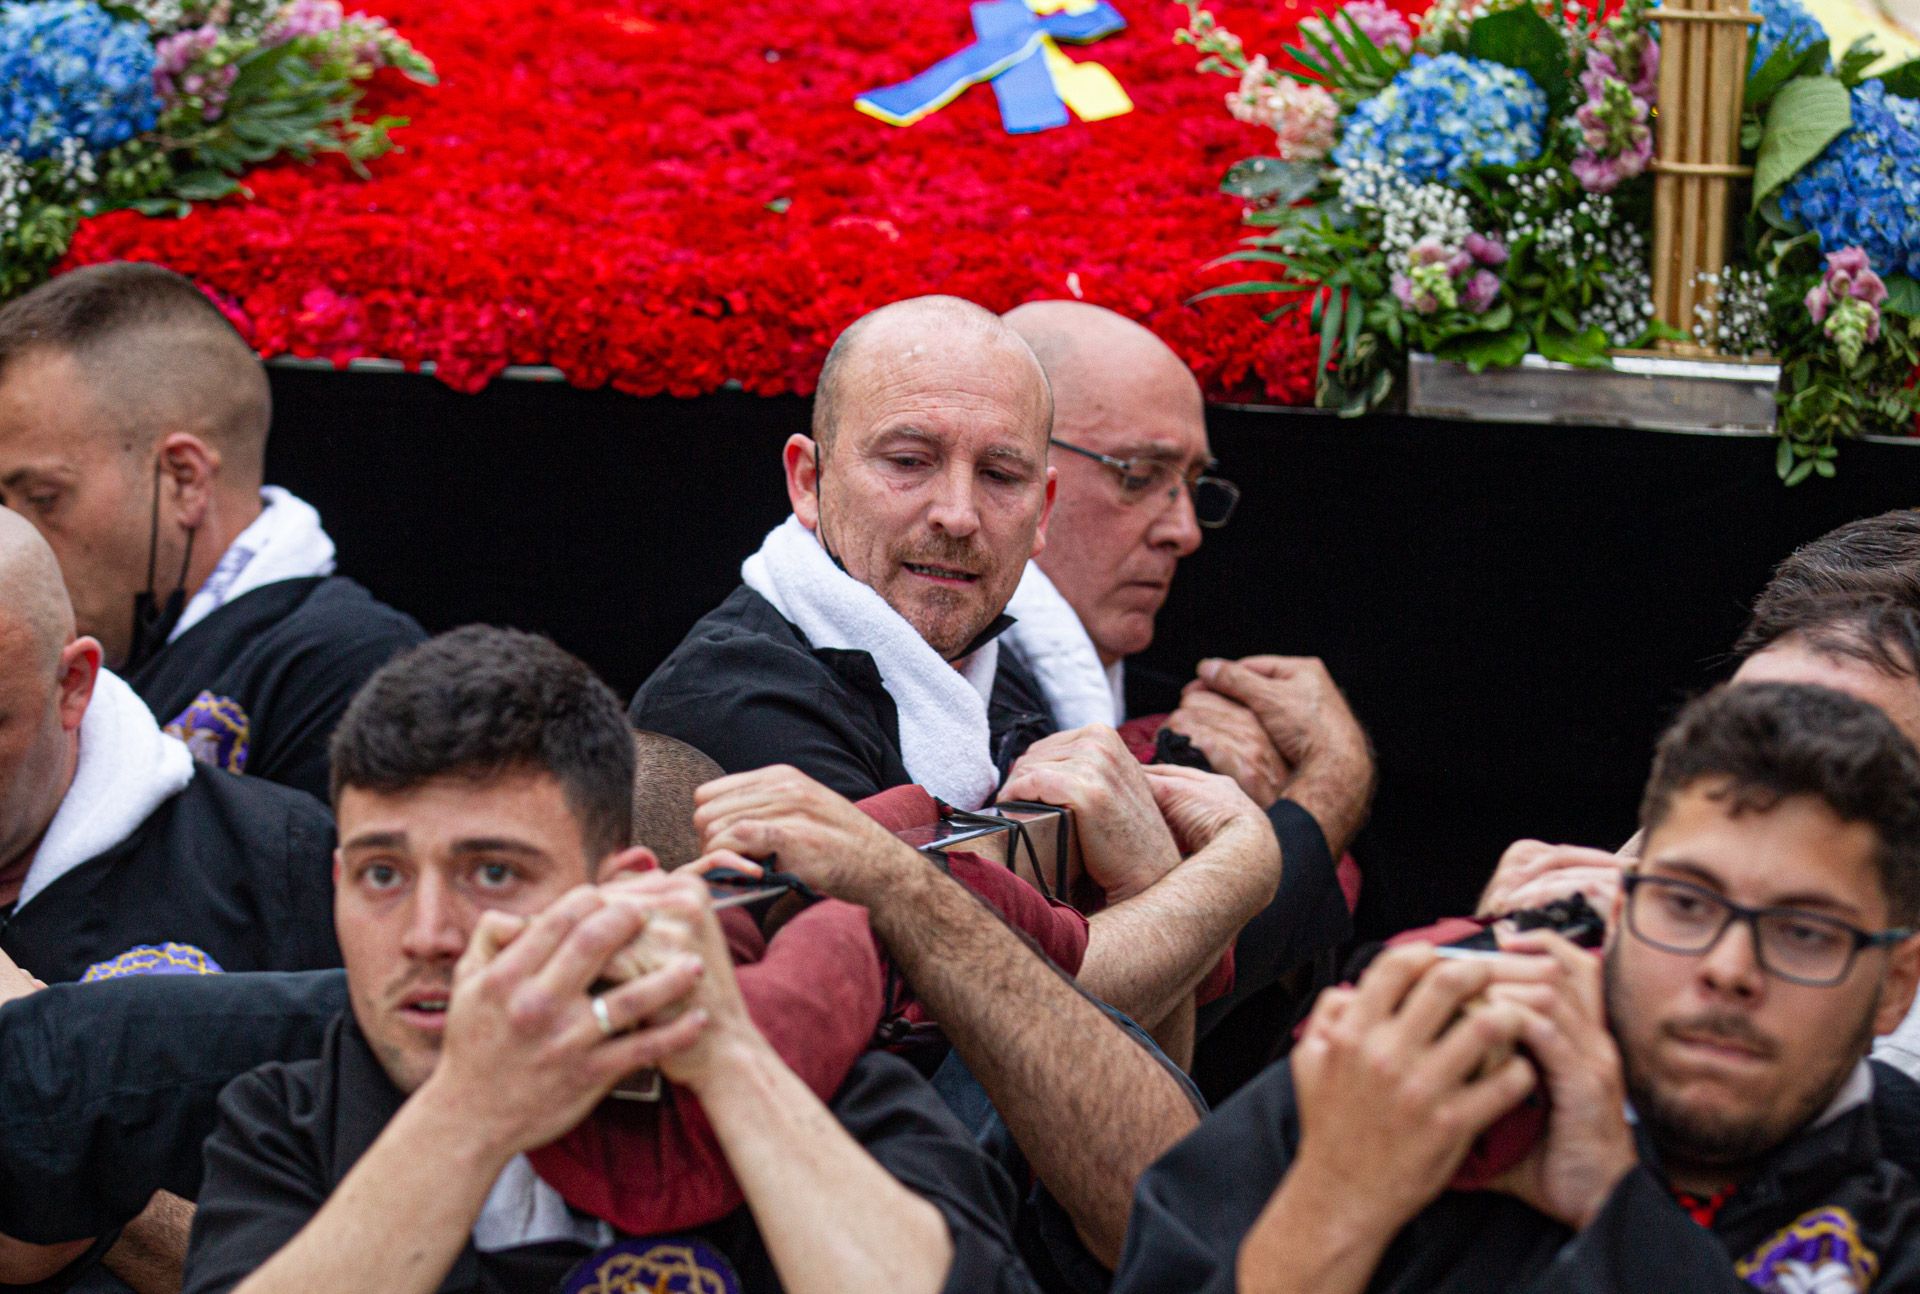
156	347
1874	556
1873	628
1769	741
478	702
666	772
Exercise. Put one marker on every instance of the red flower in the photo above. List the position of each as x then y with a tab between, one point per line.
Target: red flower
667	203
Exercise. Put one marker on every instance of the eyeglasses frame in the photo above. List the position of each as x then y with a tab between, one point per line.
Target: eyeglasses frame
1125	467
1736	912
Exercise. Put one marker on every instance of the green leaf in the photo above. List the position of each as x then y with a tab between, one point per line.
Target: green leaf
1808	114
1765	79
1587	349
1783	459
1271	179
1903	79
1248	256
1481	351
1330	325
1800	473
1246	289
1903	296
1824	467
1520	38
205	185
1853	65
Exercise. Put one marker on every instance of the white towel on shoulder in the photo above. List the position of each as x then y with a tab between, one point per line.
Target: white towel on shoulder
944	739
127	769
1050	640
285	542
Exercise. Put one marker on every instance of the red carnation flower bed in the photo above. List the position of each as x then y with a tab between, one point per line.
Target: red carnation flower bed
666	195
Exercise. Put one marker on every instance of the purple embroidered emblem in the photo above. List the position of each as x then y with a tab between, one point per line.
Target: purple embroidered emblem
146	959
1820	1253
215	729
661	1265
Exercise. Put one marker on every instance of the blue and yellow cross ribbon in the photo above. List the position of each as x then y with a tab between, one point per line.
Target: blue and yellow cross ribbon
1016	47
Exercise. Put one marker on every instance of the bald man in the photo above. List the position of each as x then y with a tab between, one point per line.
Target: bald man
862	650
133	430
118	853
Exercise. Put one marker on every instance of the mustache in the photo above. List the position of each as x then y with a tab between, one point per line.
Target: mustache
954	553
427	977
1722	1026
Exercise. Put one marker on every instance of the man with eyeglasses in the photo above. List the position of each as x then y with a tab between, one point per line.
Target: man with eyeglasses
1709	1121
1136	490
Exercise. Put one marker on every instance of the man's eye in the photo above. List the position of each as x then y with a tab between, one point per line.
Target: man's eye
41	500
493	875
1143	477
1685	905
1810	936
909	462
380	876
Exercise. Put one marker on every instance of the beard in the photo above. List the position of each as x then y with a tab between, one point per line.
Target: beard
1688	1134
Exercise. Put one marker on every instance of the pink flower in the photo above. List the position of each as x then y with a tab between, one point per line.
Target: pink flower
1383	25
1817	303
1596	174
1868	287
1429	251
1488	250
1649	82
1848	260
1480	292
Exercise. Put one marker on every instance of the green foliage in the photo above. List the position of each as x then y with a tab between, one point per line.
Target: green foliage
1270	180
1520	38
1807	114
1823	399
1903	79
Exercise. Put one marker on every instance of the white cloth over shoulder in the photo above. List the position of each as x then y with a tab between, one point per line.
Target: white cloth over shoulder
285	542
523	1210
1049	639
127	769
944	738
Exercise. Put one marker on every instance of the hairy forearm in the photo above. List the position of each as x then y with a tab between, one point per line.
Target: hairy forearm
1087	1104
151	1254
832	1218
1147	955
399	1219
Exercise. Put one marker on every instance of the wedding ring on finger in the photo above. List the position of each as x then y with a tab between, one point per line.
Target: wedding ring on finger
602	1016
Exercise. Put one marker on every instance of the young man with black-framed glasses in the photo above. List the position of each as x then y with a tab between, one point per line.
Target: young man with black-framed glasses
1710	1123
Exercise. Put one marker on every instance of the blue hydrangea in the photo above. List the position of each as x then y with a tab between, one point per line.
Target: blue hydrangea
1783	22
71	70
1445	115
1864	190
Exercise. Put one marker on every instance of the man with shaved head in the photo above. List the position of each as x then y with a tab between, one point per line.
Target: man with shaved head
118	853
133	432
863	650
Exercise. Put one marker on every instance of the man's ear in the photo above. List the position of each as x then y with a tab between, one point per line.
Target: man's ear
1046	512
79	670
1903	976
802	461
191	469
628	862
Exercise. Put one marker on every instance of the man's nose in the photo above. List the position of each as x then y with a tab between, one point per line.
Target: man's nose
956	508
1732	966
437	925
1177	528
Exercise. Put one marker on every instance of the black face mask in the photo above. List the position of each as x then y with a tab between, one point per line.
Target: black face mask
154	620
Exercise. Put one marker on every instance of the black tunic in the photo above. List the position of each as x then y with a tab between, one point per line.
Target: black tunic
237	868
107	1090
288	1134
1196	1204
746	687
258	685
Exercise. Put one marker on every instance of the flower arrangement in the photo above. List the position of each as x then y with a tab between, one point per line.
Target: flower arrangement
672	205
154	105
1482	192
